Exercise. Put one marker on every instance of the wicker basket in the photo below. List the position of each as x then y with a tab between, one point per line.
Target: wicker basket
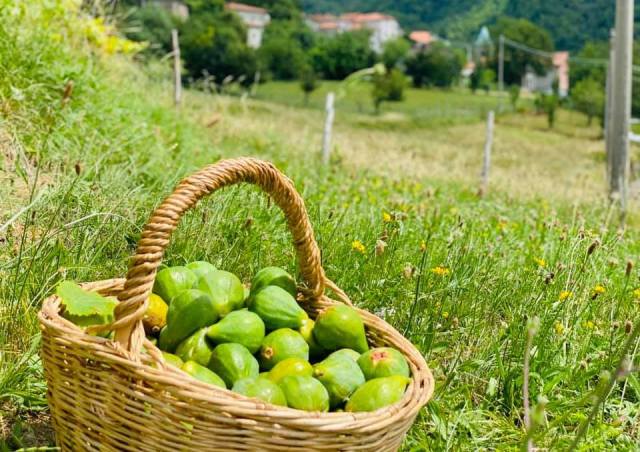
108	395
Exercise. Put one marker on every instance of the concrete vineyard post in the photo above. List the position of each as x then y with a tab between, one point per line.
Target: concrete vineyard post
328	124
609	103
486	161
177	76
621	108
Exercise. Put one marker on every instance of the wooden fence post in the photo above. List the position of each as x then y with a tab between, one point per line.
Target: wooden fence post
328	123
486	161
621	107
177	76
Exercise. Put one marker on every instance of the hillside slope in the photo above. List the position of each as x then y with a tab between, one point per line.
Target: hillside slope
571	23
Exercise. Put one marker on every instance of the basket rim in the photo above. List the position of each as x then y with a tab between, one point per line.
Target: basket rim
417	394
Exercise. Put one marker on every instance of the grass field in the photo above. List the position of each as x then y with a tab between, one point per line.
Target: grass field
468	280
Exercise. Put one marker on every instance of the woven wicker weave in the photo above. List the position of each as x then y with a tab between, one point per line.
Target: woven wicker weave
108	395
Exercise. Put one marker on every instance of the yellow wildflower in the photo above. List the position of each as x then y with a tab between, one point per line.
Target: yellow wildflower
386	217
565	294
357	245
588	324
540	262
559	327
445	315
440	270
636	293
423	246
599	290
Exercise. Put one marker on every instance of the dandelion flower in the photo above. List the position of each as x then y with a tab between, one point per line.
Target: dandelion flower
564	295
357	245
445	315
599	290
588	324
386	217
559	327
440	270
540	262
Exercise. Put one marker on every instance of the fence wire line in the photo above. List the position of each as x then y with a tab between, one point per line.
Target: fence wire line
579	60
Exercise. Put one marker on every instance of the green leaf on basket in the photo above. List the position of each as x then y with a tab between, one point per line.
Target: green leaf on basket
82	303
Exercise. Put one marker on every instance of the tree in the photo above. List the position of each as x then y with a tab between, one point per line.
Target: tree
388	86
308	82
514	95
548	103
216	43
394	52
517	61
438	65
337	57
151	24
283	51
588	98
487	77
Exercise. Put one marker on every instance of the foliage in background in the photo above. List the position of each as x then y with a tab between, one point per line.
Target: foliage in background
394	53
152	25
517	61
215	44
285	47
337	57
388	87
308	82
588	97
570	22
438	65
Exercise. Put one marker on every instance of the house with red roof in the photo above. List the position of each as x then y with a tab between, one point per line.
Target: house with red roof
254	18
382	26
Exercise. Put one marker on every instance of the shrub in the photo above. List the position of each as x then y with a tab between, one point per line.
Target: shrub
438	65
388	87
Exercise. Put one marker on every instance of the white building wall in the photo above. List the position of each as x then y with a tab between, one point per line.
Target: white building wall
254	37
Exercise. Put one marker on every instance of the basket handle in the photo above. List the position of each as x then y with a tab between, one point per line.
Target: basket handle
164	220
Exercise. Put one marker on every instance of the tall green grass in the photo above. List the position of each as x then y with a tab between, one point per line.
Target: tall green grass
460	277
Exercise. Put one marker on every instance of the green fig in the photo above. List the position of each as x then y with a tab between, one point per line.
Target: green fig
340	326
288	367
201	269
173	280
196	348
280	345
225	289
378	393
345	353
241	327
341	376
273	276
306	330
172	359
383	362
305	393
233	362
277	308
202	373
260	388
190	310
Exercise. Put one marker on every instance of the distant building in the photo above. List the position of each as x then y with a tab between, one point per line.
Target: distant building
175	7
254	18
421	39
383	27
559	74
